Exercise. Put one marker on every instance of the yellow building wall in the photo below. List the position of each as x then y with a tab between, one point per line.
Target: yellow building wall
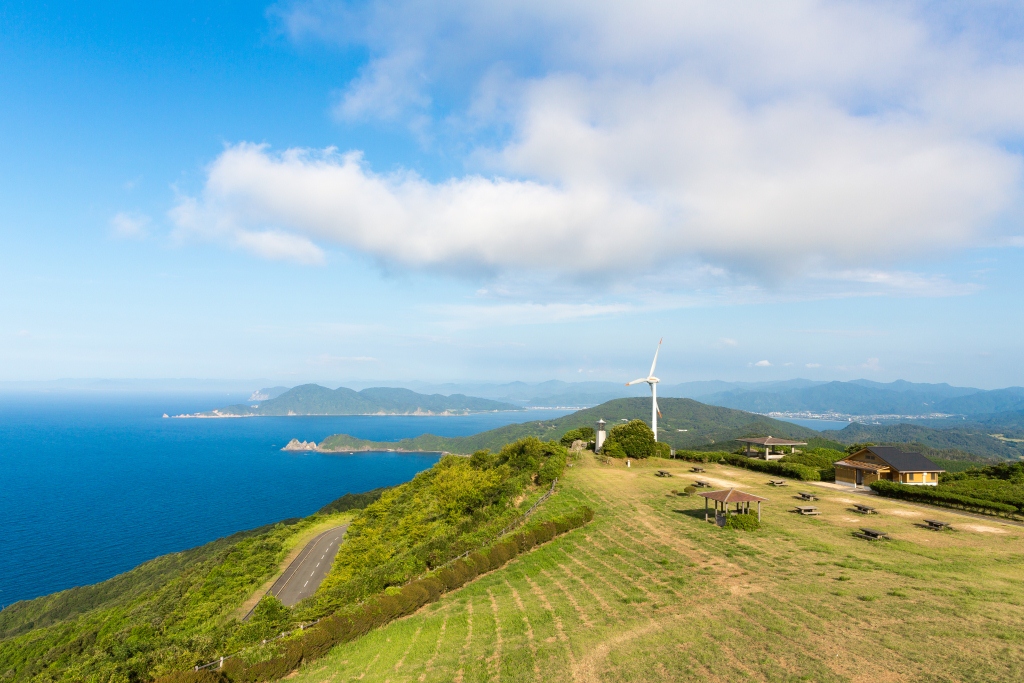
847	475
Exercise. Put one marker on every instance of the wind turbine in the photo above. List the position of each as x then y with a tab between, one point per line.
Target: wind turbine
653	382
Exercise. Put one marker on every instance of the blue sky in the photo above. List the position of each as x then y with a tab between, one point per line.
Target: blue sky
317	191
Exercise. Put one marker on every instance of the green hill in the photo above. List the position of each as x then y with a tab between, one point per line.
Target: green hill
313	399
958	443
685	423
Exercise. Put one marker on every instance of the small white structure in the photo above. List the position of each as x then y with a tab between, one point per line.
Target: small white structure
652	381
600	436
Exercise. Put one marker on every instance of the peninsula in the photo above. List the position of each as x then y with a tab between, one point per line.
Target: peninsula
313	399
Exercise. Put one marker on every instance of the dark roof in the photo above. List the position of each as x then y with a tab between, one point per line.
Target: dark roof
857	465
904	462
733	496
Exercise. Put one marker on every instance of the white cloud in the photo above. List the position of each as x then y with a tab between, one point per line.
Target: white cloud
762	364
813	365
760	138
129	226
726	341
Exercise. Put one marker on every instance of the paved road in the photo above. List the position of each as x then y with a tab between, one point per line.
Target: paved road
304	575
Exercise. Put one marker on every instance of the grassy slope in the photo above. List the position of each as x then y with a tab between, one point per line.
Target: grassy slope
706	426
649	591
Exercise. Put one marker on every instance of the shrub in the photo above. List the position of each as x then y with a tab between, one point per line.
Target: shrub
933	496
580	433
823	459
786	469
742	522
700	456
690	490
635	438
553	466
662	450
613	449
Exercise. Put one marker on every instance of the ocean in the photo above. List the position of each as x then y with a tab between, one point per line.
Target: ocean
91	487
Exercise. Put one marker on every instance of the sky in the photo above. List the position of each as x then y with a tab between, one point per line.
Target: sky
494	191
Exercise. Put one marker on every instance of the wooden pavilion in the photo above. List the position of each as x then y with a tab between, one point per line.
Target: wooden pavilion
724	497
768	442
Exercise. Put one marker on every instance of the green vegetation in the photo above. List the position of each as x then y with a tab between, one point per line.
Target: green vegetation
385	607
742	522
631	440
705	427
456	506
997	489
649	591
352	501
968	442
822	459
312	399
584	434
793	470
165	614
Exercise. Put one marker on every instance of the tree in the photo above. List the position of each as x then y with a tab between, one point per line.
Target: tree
585	434
635	439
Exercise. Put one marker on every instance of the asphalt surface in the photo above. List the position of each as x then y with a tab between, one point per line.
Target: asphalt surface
304	575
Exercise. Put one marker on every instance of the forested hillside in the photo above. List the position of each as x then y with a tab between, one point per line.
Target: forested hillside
684	424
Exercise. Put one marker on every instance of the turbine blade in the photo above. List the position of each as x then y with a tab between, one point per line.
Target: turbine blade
651	373
636	381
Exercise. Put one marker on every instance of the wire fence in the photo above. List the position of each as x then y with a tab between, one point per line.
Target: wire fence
219	662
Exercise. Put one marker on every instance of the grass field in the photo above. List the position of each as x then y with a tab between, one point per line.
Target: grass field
649	591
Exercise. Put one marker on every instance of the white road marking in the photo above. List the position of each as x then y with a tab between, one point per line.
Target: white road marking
318	564
305	584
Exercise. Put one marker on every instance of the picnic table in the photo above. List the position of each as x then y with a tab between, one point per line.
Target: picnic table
807	510
937	525
865	509
871	534
663	473
701	482
777	482
807	496
696	469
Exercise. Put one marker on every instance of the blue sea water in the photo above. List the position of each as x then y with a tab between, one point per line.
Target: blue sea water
90	488
816	424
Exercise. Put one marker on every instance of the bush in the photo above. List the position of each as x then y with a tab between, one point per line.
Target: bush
662	450
933	496
613	449
635	438
553	466
742	522
785	469
822	459
701	456
690	490
580	433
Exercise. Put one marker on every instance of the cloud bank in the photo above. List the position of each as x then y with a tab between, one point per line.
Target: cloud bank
751	137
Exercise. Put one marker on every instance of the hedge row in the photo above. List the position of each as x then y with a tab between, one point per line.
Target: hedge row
701	456
783	469
934	496
385	607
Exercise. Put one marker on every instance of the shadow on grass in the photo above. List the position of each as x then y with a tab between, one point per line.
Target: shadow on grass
696	513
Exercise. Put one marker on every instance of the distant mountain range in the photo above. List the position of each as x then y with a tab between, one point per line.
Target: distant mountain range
856	398
313	399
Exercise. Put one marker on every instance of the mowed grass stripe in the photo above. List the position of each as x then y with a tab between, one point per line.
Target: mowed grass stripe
762	606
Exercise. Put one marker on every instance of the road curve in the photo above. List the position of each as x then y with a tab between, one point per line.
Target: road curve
304	575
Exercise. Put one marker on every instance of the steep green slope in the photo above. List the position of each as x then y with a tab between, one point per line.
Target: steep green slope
313	399
705	427
957	443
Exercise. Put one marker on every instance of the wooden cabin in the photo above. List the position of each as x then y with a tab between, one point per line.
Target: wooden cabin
886	463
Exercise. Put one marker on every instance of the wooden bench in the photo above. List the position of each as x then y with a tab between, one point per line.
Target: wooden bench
936	525
696	469
807	496
777	482
807	510
663	473
701	483
865	509
871	534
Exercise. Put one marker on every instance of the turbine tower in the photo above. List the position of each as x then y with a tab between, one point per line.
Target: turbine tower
652	381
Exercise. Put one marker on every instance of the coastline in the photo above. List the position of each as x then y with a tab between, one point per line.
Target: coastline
216	414
296	446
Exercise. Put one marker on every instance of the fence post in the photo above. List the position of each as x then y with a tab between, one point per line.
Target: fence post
221	663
